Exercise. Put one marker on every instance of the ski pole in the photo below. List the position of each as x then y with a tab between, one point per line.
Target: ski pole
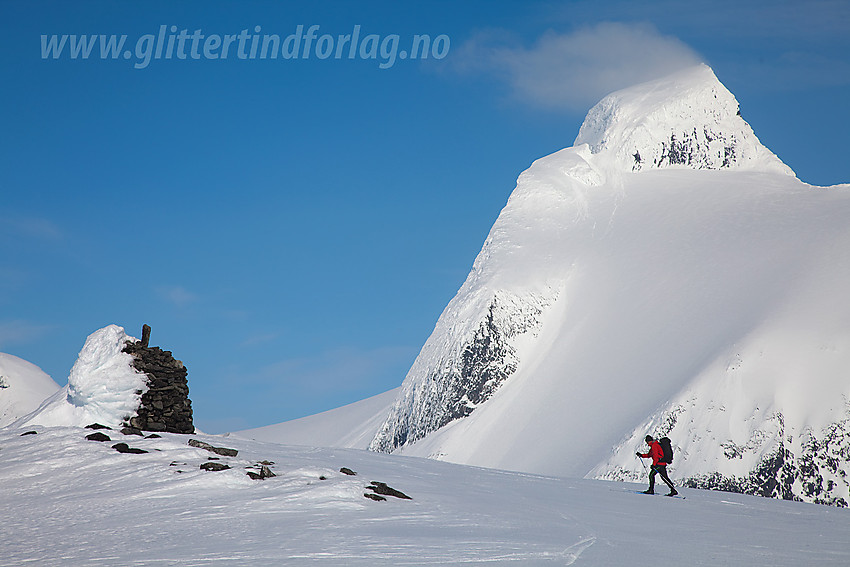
642	464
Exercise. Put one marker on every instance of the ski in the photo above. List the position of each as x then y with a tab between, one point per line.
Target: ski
679	496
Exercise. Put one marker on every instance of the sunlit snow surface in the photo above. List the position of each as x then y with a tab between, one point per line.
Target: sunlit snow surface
72	502
352	426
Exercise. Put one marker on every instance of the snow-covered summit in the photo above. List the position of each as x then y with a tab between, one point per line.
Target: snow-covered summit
23	386
687	119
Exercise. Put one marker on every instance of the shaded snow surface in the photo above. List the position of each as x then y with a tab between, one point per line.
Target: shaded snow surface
71	502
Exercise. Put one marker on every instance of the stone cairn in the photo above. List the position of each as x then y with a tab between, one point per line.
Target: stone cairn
166	405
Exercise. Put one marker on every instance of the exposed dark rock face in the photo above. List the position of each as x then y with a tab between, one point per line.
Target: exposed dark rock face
213	466
165	406
694	149
348	471
486	362
455	385
815	470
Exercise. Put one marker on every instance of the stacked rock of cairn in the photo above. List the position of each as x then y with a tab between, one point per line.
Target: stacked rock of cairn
166	405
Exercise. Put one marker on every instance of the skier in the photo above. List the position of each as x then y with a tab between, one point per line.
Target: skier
659	466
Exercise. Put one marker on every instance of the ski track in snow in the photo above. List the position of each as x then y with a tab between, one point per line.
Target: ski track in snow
72	502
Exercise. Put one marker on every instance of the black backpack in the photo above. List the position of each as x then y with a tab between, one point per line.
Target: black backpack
667	448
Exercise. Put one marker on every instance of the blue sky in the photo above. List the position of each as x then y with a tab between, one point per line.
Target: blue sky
293	228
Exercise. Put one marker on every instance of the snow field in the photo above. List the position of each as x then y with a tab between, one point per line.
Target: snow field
72	502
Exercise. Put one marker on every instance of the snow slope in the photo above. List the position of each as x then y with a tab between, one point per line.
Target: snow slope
71	502
352	426
23	386
668	264
103	387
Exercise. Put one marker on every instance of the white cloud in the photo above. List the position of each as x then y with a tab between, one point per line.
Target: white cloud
35	228
259	339
18	331
177	295
338	370
573	71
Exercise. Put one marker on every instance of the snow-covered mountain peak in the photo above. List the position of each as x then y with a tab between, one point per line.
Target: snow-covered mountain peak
688	119
695	293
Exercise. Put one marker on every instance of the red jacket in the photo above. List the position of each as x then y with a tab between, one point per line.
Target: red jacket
656	452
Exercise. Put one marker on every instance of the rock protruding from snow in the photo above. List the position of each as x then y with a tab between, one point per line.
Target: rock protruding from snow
103	386
688	119
224	451
23	387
